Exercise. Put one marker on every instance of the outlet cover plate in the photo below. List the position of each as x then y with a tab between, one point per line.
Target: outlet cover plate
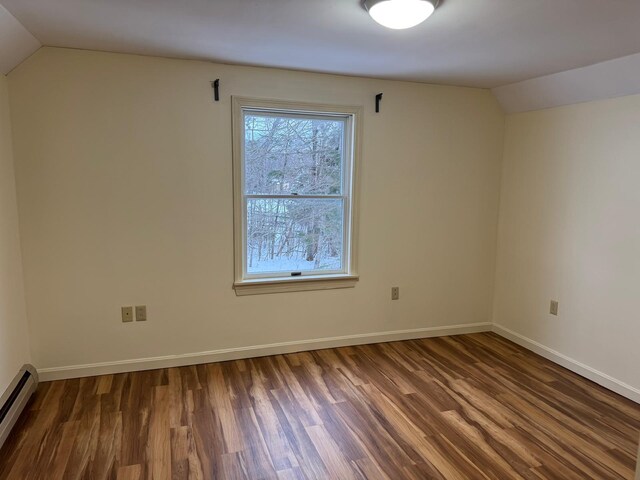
127	314
141	313
553	308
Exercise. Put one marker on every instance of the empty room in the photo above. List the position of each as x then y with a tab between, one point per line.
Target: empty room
330	239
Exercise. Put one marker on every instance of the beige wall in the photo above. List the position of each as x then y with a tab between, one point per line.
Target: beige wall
570	230
14	347
124	186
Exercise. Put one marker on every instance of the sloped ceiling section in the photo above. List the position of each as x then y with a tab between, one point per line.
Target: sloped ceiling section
614	78
16	43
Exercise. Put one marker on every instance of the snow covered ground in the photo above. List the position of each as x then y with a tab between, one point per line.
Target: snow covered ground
293	265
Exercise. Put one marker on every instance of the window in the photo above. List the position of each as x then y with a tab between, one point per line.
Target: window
294	183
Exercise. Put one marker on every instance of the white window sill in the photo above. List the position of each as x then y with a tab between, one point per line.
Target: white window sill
294	284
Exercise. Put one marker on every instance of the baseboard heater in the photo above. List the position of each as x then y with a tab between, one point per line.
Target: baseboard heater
15	399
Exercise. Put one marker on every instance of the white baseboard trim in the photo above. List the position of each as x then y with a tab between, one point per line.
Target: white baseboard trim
586	371
121	366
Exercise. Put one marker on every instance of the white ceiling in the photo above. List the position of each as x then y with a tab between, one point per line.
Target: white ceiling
482	43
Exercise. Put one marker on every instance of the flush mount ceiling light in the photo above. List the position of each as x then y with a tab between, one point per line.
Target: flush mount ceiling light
400	14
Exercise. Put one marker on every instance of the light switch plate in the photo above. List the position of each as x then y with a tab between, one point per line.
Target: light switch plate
141	313
127	314
553	309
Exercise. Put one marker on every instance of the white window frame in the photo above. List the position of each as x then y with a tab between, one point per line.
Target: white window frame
251	284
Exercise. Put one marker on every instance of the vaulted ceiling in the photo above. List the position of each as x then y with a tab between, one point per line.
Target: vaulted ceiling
481	43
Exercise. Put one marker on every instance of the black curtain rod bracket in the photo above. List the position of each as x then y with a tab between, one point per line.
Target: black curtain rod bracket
216	89
378	98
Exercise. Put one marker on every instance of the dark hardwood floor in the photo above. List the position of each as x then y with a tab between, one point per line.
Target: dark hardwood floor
465	407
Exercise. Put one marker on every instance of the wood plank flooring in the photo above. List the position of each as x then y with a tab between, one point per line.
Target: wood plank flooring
466	407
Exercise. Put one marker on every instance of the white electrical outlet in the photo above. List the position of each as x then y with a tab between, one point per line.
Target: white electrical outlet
395	293
553	309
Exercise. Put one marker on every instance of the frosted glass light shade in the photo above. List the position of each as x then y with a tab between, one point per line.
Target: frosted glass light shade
400	14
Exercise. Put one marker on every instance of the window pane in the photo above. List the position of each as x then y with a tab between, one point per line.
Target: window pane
291	235
284	155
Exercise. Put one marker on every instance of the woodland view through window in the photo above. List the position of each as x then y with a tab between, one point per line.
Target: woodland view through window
296	170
